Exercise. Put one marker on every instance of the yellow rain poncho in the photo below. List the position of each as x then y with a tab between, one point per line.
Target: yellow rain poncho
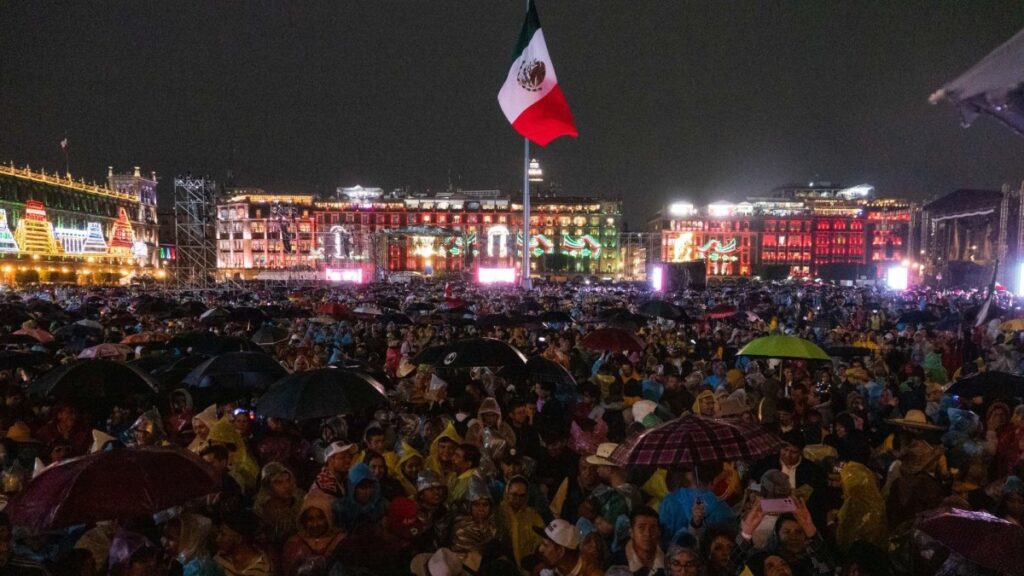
405	454
862	516
518	528
242	466
433	461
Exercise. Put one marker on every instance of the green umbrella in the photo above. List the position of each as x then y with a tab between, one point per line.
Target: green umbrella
784	347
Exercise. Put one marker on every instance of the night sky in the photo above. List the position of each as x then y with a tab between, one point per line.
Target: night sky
673	100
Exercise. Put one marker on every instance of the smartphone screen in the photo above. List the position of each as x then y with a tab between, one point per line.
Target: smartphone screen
778	505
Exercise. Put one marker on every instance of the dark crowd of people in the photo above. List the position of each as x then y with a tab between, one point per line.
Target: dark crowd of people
494	468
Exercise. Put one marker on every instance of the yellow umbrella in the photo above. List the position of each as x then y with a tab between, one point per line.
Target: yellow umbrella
867	344
1015	325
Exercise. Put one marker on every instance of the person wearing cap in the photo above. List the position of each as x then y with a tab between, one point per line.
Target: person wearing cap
332	481
614	475
237	553
517	520
559	550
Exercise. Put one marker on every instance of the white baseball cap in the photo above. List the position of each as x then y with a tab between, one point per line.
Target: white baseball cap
604	452
337	448
562	533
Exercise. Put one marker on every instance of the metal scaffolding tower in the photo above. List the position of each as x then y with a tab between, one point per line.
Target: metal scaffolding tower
195	240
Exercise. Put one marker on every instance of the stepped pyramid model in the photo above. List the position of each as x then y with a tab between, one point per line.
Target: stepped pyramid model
7	243
34	233
94	243
122	236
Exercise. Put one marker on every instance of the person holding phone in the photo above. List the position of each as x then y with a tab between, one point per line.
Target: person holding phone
796	544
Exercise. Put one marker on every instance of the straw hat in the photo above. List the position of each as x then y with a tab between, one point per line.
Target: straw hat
19	432
914	419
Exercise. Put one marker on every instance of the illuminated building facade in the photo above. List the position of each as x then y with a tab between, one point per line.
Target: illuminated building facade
442	233
257	230
61	229
722	236
801	230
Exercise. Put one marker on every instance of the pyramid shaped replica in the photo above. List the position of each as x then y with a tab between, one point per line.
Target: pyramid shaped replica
7	243
34	233
122	236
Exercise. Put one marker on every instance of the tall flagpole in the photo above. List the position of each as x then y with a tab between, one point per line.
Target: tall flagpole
525	280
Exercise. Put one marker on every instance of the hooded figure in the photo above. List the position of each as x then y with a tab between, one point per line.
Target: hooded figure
243	468
363	502
278	514
181	412
316	540
410	463
862	516
439	463
488	428
201	425
332	429
187	537
148	430
960	442
477	527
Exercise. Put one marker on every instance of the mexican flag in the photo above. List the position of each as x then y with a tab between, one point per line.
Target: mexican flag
531	98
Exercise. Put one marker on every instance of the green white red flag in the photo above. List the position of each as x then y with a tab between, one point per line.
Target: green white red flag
531	98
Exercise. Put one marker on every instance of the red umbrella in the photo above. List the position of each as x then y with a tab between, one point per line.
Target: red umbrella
107	350
40	335
612	340
691	439
144	338
979	537
721	311
119	483
336	310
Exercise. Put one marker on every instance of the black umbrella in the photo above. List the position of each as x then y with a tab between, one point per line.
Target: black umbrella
848	352
420	307
210	344
321	393
396	318
989	385
247	315
270	336
541	369
917	317
554	317
661	309
490	320
10	360
93	382
174	370
235	373
472	352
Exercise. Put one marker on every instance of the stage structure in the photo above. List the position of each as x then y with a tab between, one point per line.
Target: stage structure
194	233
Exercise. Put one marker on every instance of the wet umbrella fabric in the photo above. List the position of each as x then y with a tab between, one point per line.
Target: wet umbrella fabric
113	484
270	336
90	381
321	393
690	440
992	384
783	347
470	353
210	344
236	372
979	537
661	309
612	340
554	317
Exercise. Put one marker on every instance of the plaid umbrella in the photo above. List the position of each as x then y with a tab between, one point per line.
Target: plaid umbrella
690	440
979	537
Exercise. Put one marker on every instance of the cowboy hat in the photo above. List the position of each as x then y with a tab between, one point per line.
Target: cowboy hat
914	419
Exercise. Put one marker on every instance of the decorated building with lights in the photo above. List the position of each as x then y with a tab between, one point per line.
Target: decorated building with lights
56	228
796	231
429	234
